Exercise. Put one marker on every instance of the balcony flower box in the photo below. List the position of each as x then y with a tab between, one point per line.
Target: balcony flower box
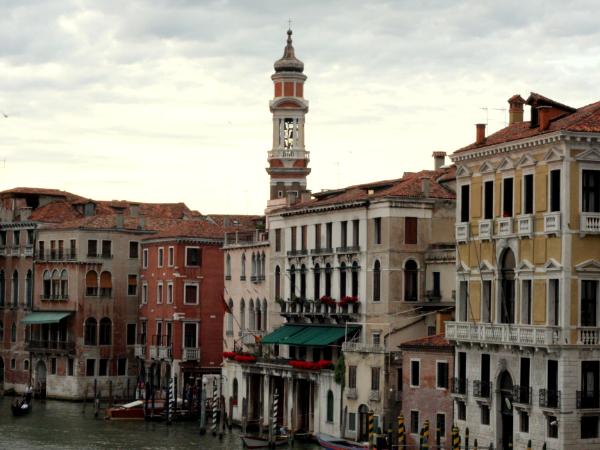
245	358
327	300
311	365
229	355
348	300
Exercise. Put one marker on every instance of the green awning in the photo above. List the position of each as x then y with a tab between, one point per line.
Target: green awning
44	317
308	335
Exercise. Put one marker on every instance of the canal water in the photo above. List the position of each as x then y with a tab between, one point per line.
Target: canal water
64	425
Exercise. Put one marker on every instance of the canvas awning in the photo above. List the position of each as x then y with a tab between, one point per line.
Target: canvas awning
308	335
44	317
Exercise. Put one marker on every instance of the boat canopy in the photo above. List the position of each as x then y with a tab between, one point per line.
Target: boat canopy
308	335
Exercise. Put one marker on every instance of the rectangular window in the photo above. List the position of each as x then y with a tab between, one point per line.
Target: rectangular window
524	422
121	367
485	414
61	249
352	377
589	427
53	253
352	421
90	367
410	230
488	200
377	229
53	366
414	422
40	245
106	249
461	410
590	191
441	375
440	422
72	249
437	291
507	197
463	292
399	379
190	335
16	238
304	237
528	194
375	378
144	294
171	256
589	308
193	256
132	284
486	303
293	239
526	302
553	302
159	293
318	236
376	338
552	426
134	249
278	240
355	232
92	248
170	293
329	235
555	190
145	259
415	368
461	387
131	331
552	383
465	203
524	375
70	367
103	367
161	255
191	294
344	233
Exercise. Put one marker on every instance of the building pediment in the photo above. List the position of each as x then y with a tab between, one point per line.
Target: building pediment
554	154
462	171
552	265
591	155
526	161
485	266
462	268
487	167
506	164
525	266
591	265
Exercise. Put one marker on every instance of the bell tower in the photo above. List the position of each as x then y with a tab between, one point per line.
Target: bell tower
288	159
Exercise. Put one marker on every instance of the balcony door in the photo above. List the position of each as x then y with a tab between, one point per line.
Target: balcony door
589	306
506	411
190	335
590	376
507	287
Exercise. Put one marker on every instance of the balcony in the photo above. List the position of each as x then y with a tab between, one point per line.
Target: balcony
482	389
522	395
190	354
297	253
505	334
14	250
140	351
28	250
318	311
153	352
49	346
459	386
348	249
552	222
504	226
588	400
549	399
525	225
589	223
485	229
322	251
54	298
351	394
288	153
359	347
462	232
53	255
374	396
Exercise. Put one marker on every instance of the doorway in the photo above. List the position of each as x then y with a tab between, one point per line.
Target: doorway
40	379
363	423
506	410
507	287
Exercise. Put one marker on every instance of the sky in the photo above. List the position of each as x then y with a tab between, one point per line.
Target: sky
167	101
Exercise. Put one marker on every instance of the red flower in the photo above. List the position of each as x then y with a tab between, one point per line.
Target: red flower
245	358
327	300
229	355
348	299
311	365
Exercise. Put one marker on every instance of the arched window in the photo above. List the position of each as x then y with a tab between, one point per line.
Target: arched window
328	280
292	282
411	284
228	266
303	281
234	393
47	284
377	282
64	284
29	289
13	333
317	282
242	315
90	331
243	268
277	282
342	280
230	319
258	314
105	284
251	317
354	279
253	265
105	331
15	288
329	406
55	284
263	266
1	332
91	283
2	288
507	288
264	314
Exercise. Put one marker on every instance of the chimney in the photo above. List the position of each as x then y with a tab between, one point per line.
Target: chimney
480	135
425	185
515	109
544	117
439	158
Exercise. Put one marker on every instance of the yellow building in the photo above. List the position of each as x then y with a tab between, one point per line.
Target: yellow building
528	264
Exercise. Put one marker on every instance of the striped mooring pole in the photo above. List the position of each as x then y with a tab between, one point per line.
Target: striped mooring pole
371	428
426	434
455	438
275	413
169	401
467	438
214	408
401	431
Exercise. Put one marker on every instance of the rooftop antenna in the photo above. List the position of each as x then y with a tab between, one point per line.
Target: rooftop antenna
487	117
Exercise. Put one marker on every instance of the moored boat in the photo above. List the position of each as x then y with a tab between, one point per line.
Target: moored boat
333	443
21	408
259	442
134	411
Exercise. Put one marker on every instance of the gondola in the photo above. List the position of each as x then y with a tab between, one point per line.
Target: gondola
21	408
260	442
333	443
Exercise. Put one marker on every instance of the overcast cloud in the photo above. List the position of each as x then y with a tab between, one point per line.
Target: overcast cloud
168	100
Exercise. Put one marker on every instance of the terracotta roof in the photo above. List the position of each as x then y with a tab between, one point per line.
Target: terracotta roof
409	186
437	340
59	211
39	191
585	119
197	228
236	221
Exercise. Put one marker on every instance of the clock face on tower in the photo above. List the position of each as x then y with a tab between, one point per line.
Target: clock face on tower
288	134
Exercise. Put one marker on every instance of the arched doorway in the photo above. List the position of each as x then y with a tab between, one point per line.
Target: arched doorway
363	423
507	287
40	379
505	398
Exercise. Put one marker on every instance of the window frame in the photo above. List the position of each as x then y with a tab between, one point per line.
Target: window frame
160	257
193	247
145	258
171	256
185	286
415	362
137	251
526	173
438	363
